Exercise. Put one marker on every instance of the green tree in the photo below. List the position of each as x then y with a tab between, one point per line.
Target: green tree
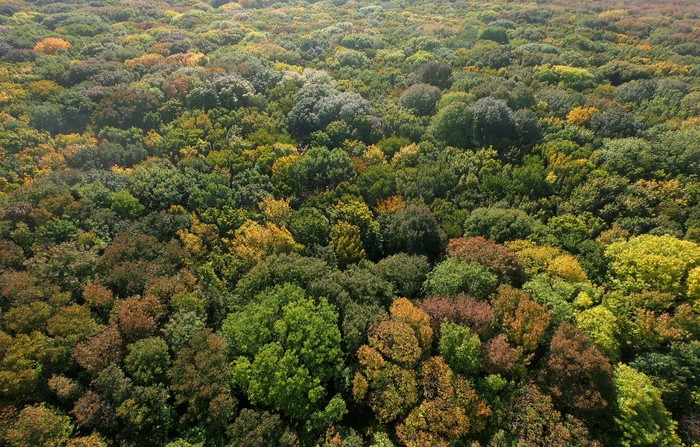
460	347
148	414
147	361
676	373
421	99
494	124
640	415
200	383
405	272
500	224
261	429
453	125
413	230
287	348
452	276
495	33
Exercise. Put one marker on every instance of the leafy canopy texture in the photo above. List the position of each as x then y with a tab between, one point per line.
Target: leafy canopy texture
641	416
286	349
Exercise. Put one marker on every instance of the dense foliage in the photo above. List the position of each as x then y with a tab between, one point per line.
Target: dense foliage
349	223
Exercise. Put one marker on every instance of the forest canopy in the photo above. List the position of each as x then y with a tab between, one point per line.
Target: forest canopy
346	223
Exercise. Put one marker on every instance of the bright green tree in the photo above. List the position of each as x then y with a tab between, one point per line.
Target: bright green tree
460	347
287	349
651	262
640	415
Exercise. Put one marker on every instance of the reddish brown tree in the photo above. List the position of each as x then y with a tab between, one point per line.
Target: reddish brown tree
577	374
92	411
462	309
102	349
200	378
98	297
499	258
138	317
502	358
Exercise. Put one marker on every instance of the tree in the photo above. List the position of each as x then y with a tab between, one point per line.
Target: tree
352	58
453	125
601	325
126	205
48	117
577	375
488	54
346	240
452	277
102	349
494	33
97	297
494	124
39	426
557	296
148	414
229	91
462	310
199	381
675	374
502	358
321	169
450	409
180	328
147	361
316	105
261	429
524	321
377	183
405	272
69	326
413	230
500	224
640	415
309	226
619	71
421	99
138	317
460	347
534	421
386	380
614	123
51	45
286	349
501	260
277	270
434	73
125	108
253	242
650	262
94	440
157	184
575	78
358	284
636	91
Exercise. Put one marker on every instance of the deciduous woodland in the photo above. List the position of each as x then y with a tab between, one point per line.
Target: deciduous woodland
349	223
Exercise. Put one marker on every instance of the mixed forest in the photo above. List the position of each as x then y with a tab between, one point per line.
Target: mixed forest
349	223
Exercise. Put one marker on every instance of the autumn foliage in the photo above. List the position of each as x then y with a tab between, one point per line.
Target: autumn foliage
342	224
